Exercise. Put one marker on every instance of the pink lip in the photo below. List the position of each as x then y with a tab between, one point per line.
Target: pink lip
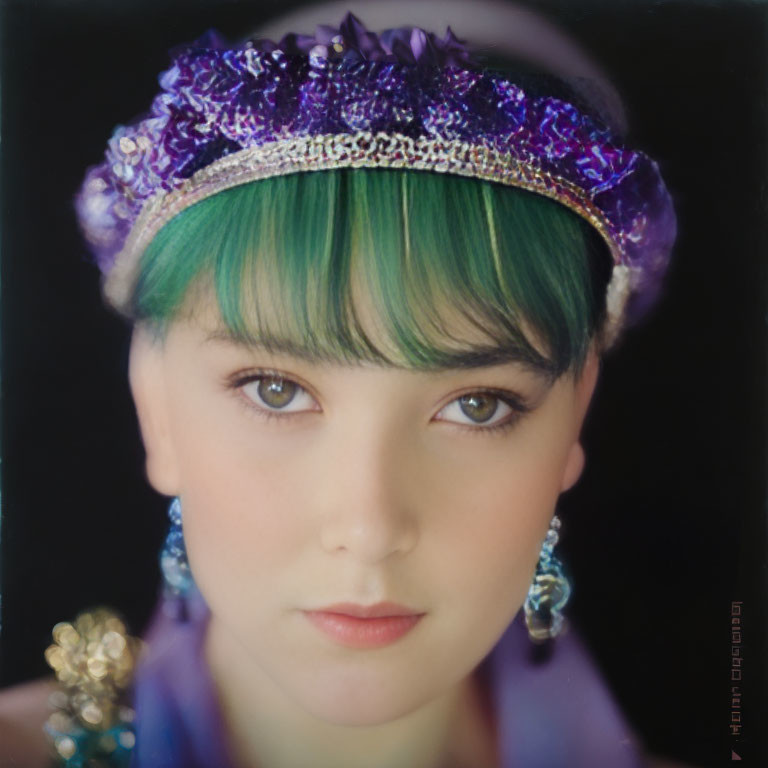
361	626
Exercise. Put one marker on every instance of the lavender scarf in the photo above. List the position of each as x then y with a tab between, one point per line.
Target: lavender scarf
552	714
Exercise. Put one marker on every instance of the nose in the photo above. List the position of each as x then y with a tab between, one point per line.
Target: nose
368	506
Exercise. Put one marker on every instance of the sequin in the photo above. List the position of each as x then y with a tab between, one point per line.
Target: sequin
281	108
94	661
92	714
66	747
127	739
127	146
94	654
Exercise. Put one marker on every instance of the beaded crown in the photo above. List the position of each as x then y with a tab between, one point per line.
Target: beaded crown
349	98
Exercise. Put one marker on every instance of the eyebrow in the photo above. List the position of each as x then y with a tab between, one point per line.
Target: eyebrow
470	359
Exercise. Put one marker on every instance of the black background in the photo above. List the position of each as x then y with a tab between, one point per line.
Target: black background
667	525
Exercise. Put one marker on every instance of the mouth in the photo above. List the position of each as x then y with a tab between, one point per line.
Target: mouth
364	626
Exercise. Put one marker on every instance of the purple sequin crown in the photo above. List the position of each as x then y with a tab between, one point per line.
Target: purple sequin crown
227	115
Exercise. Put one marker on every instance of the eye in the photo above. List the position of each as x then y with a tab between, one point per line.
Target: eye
484	410
274	394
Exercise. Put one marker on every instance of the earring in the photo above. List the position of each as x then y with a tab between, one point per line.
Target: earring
173	558
549	591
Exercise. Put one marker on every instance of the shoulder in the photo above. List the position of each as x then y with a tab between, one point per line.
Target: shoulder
23	711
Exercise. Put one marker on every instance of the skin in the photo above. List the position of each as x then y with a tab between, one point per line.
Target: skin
376	486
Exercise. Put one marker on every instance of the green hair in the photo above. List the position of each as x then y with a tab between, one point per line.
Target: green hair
297	263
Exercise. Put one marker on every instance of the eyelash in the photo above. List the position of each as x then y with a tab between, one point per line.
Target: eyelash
519	409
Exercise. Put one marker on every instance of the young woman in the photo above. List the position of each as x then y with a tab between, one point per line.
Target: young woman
370	283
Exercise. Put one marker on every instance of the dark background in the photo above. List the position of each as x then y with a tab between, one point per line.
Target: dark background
667	526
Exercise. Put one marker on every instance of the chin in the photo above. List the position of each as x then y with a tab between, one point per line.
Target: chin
374	713
366	702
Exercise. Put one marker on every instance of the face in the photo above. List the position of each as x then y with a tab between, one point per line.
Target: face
307	486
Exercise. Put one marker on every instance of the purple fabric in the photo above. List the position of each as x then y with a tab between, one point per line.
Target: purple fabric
555	713
178	721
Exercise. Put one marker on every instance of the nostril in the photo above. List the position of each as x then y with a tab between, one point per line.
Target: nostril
368	536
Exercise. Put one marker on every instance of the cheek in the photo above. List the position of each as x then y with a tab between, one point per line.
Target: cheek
494	514
496	545
239	499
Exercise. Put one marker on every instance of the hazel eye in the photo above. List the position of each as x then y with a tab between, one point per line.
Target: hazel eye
478	406
276	393
481	409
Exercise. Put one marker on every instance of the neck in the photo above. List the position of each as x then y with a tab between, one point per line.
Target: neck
267	729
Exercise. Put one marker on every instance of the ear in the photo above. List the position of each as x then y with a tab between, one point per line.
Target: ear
584	388
147	380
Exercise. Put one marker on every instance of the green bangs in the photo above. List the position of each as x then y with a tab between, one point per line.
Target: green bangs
409	269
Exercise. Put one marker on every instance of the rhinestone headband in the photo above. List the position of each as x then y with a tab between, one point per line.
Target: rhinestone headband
347	98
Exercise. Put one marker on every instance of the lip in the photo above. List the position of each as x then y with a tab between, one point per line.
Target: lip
364	626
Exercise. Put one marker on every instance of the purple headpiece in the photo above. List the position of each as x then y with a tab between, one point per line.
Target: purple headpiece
228	115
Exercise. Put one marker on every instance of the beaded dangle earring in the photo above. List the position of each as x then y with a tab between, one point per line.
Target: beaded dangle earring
549	591
174	564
